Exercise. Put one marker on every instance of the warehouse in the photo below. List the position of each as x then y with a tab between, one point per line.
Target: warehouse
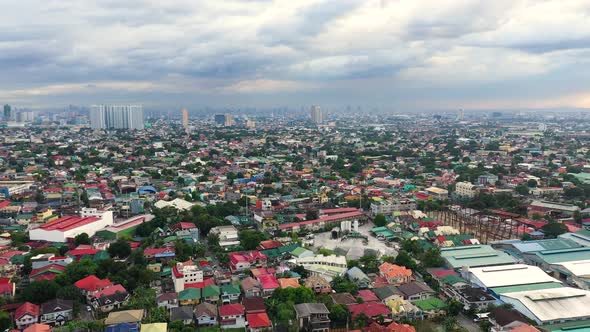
69	227
499	279
474	256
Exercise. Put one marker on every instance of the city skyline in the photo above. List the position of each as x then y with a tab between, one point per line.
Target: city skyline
397	55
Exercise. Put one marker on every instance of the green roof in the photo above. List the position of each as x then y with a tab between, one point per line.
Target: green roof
529	287
571	326
189	294
433	303
564	255
211	290
230	289
298	251
475	255
452	279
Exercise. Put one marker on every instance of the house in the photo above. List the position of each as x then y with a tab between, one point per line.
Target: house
367	296
211	293
206	314
189	296
167	300
473	297
268	283
343	298
159	253
387	293
92	285
184	314
251	287
395	274
371	310
288	282
258	322
110	298
358	277
254	305
241	261
154	327
38	328
506	319
415	290
125	317
57	311
184	274
318	284
230	293
312	317
232	316
7	288
26	315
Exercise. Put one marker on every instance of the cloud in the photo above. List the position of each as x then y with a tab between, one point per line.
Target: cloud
62	52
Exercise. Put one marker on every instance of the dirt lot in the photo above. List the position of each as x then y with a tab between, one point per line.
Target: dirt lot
324	240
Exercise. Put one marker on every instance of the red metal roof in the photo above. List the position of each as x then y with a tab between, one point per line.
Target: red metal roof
258	320
323	219
371	309
27	308
92	283
268	281
231	310
67	223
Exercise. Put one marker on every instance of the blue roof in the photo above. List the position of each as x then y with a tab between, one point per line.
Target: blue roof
123	327
146	190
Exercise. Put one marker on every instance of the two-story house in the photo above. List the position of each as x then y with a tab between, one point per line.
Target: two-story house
206	314
230	293
251	287
318	284
313	317
57	311
395	274
26	315
167	300
232	316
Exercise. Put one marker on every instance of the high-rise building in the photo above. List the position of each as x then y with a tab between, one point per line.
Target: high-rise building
25	116
184	118
317	116
229	120
220	119
7	112
116	117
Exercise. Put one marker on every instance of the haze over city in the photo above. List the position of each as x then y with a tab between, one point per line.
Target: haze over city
395	55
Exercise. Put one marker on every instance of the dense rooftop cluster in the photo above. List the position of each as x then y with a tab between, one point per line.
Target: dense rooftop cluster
390	223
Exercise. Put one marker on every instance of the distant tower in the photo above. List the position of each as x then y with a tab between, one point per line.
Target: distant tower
461	115
229	120
7	112
316	115
184	118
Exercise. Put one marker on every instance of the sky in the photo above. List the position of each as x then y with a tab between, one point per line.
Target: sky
393	54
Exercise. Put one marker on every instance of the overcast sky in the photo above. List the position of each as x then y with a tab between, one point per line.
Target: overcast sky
389	53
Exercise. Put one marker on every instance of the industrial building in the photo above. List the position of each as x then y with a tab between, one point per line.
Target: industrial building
69	227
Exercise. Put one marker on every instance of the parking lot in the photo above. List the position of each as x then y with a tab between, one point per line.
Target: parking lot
324	240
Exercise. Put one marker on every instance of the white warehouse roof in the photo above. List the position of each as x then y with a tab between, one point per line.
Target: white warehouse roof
508	275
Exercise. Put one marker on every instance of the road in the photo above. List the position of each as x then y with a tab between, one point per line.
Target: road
468	323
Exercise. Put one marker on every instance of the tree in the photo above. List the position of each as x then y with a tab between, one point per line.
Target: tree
404	259
18	238
69	292
454	307
577	216
5	320
554	229
119	249
40	291
343	285
76	271
84	198
521	189
339	313
369	264
432	258
532	183
81	239
250	239
380	220
311	215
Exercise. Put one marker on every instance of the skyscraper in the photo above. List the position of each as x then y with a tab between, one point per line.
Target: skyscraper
184	118
220	119
229	120
7	112
317	116
116	117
